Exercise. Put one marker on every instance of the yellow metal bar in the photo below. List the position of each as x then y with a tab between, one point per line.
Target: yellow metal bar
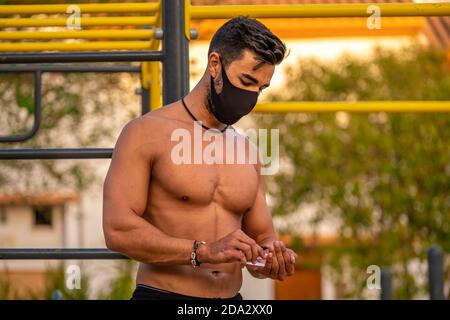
155	85
360	106
82	34
84	8
325	27
154	72
84	22
151	74
187	19
78	46
145	75
319	10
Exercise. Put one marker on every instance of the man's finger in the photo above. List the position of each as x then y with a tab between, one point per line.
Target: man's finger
235	255
275	266
243	260
269	262
256	249
245	248
280	260
293	255
289	263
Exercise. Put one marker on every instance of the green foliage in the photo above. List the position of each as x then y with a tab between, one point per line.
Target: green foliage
297	243
385	177
74	109
6	289
24	99
121	287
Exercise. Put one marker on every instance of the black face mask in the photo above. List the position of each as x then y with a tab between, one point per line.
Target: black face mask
232	103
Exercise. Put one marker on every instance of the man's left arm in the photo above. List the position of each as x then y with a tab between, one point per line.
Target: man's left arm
257	224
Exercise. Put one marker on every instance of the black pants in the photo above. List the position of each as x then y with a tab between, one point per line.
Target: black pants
144	292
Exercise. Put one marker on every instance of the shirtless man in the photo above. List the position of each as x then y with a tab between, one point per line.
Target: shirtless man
193	227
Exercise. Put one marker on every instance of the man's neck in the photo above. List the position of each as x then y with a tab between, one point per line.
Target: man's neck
196	103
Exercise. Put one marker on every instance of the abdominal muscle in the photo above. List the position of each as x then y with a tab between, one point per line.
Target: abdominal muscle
208	280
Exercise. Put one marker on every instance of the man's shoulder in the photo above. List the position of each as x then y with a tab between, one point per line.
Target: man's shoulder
138	132
161	118
149	129
153	121
137	128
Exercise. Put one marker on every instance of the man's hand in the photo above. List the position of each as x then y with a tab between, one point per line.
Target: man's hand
234	247
280	263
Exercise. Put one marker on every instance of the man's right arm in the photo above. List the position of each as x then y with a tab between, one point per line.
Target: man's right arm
125	200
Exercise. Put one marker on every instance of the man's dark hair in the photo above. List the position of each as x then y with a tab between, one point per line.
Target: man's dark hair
242	33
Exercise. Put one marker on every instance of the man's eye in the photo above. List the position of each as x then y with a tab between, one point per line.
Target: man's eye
245	83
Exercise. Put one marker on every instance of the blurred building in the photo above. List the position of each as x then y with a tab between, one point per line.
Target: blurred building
34	221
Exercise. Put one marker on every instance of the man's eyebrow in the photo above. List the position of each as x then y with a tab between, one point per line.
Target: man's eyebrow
254	80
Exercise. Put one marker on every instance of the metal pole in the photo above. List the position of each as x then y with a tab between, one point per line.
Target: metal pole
60	254
70	68
33	154
319	10
175	84
436	273
84	7
37	112
386	284
184	52
38	70
111	56
354	106
145	100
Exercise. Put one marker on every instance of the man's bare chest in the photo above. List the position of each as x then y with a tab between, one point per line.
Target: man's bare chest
232	185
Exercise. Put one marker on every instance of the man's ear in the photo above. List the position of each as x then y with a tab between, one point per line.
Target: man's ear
214	65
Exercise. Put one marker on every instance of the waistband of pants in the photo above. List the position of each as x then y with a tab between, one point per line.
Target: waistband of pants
142	291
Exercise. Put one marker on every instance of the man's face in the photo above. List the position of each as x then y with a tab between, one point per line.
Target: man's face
248	73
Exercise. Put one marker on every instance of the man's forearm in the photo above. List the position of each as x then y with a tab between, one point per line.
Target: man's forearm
142	241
